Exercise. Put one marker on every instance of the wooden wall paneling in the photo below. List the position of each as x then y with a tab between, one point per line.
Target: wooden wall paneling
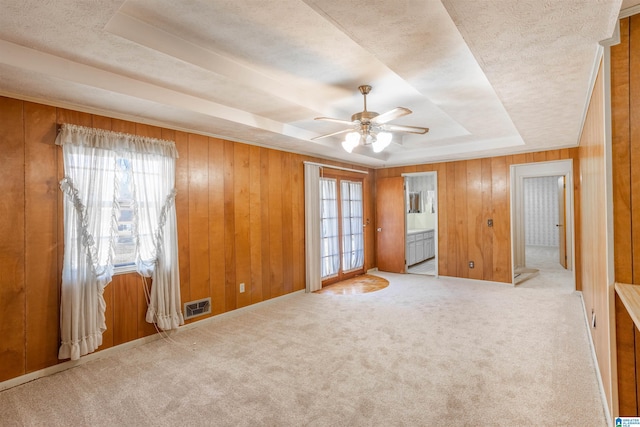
461	232
123	126
553	155
501	221
634	142
626	361
443	240
518	159
487	232
12	244
217	234
590	163
636	335
41	237
382	173
148	130
74	117
451	257
540	156
265	223
199	274
577	215
620	124
229	228
297	212
125	301
255	224
476	222
182	207
101	122
287	224
242	223
275	224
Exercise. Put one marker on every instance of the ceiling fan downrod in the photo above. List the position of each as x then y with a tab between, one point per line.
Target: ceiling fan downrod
364	116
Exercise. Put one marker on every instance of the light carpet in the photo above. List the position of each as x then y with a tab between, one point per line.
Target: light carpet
421	352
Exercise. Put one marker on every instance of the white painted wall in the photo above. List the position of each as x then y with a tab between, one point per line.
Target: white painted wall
541	211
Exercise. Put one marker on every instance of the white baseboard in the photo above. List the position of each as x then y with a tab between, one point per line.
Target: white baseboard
13	382
603	395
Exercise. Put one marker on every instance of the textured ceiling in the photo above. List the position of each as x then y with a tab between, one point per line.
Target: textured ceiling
487	77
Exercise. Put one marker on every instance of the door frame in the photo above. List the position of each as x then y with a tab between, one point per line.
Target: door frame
435	224
531	170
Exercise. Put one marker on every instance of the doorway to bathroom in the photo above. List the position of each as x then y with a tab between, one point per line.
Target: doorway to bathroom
421	223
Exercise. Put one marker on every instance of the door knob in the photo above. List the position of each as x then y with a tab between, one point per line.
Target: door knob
379	229
559	225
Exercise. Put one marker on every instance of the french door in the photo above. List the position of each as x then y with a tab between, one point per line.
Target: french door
341	229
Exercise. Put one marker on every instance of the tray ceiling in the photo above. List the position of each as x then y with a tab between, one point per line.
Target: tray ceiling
488	78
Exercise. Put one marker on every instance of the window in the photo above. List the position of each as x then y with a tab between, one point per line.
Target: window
125	246
119	213
329	233
352	230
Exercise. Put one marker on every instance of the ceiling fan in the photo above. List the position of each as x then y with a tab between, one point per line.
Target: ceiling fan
370	128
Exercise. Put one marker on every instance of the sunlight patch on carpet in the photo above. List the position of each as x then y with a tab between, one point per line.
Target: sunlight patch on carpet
357	285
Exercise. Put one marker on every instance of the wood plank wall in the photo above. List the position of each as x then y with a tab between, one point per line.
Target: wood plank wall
596	289
469	193
625	115
240	212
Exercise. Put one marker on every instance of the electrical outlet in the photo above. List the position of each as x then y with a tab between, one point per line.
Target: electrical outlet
241	287
471	264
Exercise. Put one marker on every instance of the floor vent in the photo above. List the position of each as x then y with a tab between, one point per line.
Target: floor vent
197	308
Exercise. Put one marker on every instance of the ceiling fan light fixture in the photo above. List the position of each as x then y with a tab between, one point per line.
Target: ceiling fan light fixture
382	141
351	141
353	138
347	147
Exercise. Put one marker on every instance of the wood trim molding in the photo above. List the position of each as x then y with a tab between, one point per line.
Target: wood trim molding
625	13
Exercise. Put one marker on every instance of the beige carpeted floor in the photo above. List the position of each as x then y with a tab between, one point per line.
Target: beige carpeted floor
421	352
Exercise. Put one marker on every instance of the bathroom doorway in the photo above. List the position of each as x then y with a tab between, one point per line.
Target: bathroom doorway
421	223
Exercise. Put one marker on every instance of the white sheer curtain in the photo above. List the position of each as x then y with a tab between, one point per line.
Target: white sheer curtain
312	226
329	233
91	226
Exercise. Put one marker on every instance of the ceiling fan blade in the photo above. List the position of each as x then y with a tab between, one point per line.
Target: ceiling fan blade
390	115
329	119
408	129
334	133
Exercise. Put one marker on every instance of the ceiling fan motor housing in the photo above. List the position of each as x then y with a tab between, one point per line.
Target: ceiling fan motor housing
363	116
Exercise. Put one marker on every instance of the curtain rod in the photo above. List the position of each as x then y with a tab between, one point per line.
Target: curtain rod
322	165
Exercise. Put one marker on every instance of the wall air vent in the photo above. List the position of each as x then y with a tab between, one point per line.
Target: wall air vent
197	308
